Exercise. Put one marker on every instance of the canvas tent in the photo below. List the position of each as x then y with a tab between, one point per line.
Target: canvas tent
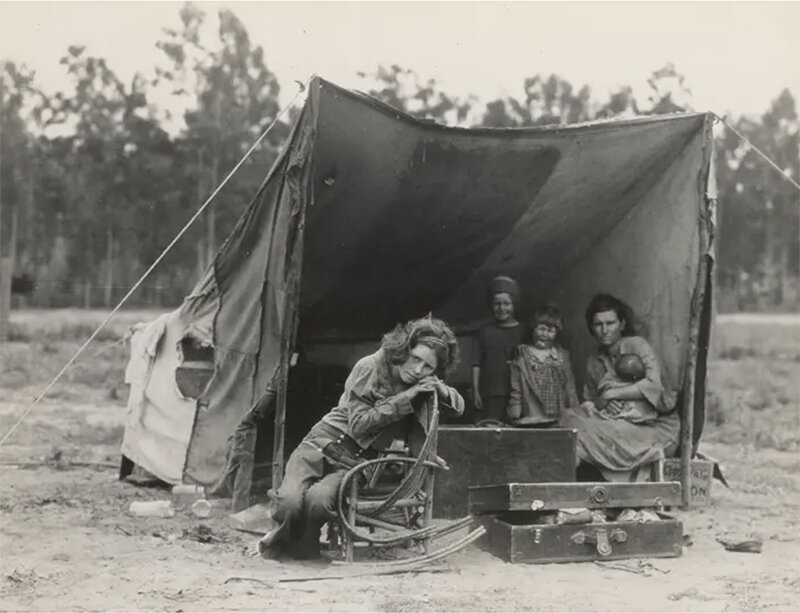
370	217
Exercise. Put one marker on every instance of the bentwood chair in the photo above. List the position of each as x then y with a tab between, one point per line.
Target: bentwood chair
379	511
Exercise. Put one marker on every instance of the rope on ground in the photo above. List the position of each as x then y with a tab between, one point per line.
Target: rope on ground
302	88
758	151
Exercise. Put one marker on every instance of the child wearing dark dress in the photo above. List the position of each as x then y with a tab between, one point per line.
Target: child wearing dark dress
493	349
542	383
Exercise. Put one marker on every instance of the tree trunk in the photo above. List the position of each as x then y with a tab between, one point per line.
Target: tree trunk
109	288
87	271
27	257
201	258
200	247
211	238
783	257
788	298
6	272
772	260
211	228
6	268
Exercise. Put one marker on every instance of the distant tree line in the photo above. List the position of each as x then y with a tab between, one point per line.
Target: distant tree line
94	183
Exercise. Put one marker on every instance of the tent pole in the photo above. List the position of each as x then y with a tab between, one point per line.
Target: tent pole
687	416
290	308
287	344
280	424
698	299
687	412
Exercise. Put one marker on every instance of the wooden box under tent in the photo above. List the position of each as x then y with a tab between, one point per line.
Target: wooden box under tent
539	523
483	456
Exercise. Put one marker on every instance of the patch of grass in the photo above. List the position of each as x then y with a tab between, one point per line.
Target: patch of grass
736	353
100	366
753	395
715	411
736	338
754	402
54	325
16	334
97	435
43	341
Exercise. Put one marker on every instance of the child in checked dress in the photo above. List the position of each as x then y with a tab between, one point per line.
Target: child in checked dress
542	383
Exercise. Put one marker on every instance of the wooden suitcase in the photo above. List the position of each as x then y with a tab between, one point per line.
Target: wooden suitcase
484	456
512	538
521	525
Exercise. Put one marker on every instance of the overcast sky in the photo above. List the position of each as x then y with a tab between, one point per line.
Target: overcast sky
736	56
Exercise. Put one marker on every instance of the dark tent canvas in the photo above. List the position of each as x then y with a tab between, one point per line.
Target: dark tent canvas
370	217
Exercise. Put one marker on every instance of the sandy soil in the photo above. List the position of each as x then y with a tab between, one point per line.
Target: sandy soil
68	542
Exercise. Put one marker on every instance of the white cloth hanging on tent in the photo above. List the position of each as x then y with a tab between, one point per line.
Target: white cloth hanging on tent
160	419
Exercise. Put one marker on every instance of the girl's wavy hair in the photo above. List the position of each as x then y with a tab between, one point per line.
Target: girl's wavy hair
428	331
606	302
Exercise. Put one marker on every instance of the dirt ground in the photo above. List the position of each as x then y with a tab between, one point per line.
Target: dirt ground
68	542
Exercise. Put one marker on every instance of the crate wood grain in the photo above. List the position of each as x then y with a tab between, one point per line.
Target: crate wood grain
553	496
521	543
484	456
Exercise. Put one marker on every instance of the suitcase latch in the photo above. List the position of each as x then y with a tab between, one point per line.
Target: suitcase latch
602	539
599	494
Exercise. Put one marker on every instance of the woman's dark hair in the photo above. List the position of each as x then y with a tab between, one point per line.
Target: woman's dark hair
428	331
606	302
549	314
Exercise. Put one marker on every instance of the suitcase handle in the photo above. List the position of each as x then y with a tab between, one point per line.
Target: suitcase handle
601	539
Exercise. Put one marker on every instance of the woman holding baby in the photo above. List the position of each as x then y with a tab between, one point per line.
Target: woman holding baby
627	418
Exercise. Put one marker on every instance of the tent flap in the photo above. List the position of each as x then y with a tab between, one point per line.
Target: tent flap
252	271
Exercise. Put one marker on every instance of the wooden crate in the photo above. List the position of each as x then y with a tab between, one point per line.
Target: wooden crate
553	496
486	456
511	538
702	473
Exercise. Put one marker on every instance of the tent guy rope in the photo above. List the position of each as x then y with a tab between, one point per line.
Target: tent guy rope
302	88
758	151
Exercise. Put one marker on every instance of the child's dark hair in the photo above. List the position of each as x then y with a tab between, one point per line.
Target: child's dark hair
548	314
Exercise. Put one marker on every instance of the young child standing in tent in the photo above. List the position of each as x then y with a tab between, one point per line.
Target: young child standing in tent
542	383
493	349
